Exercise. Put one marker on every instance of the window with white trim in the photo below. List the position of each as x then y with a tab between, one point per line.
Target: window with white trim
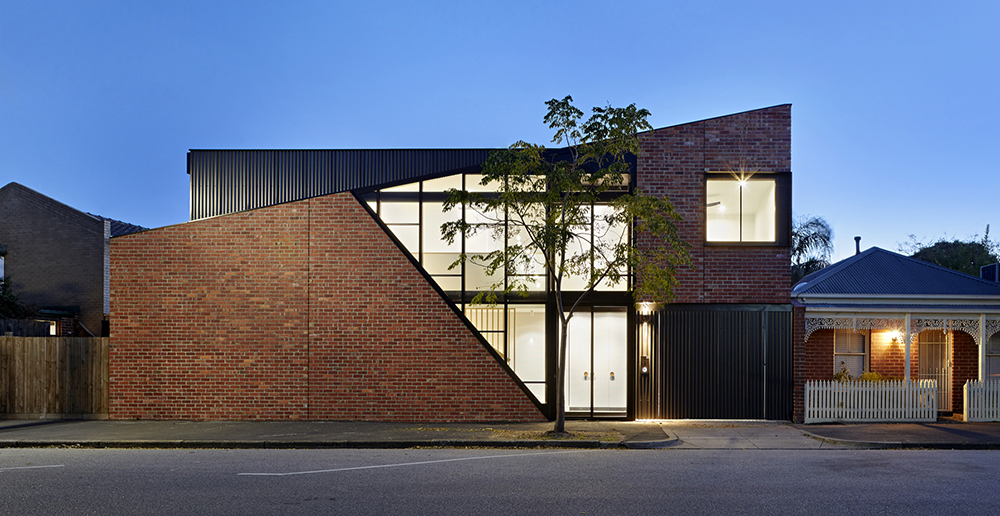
850	351
993	357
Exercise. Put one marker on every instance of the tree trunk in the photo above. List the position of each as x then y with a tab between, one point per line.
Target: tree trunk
561	380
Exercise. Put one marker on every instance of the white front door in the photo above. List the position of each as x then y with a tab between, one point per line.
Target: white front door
597	362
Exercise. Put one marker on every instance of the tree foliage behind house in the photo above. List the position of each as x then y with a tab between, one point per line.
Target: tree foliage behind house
11	306
812	246
967	256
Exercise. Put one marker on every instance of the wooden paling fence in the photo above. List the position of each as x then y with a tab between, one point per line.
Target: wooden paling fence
982	400
53	377
894	400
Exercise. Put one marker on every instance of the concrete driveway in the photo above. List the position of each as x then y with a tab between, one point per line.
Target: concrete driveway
739	435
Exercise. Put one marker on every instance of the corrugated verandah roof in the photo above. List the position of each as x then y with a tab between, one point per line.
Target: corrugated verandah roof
877	272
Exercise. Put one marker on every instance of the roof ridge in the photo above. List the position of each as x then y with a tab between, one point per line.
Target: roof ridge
894	274
961	274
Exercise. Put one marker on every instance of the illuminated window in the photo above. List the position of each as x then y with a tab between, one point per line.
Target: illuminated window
850	351
740	210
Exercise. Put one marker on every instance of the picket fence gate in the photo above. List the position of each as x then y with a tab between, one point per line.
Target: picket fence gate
889	401
982	400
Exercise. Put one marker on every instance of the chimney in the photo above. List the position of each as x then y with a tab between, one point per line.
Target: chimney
857	245
990	272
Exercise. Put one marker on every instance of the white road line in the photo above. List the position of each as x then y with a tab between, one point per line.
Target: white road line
404	464
34	467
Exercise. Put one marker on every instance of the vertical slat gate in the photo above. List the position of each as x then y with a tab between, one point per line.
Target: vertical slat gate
719	363
982	400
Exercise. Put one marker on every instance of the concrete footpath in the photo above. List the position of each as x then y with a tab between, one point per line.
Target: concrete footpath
675	434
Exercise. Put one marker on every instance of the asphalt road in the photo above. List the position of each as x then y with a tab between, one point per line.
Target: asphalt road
502	482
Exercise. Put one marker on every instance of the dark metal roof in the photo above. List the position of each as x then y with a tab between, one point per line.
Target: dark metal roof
227	181
897	307
119	228
880	272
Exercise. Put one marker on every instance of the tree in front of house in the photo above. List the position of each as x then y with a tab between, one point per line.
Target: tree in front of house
11	306
812	246
560	211
960	255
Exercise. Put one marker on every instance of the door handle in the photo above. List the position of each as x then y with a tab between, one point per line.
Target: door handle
612	376
584	376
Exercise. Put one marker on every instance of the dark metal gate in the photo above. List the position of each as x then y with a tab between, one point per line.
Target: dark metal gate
716	362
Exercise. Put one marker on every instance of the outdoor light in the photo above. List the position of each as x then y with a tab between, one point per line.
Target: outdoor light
894	335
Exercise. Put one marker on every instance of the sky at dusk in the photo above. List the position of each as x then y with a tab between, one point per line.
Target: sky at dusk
895	105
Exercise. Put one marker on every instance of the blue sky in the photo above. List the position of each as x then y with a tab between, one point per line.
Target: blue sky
896	105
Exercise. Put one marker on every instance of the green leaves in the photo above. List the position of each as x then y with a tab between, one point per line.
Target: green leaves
11	305
556	202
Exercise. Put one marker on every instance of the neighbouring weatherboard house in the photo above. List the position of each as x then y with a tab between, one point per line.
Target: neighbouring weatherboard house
313	284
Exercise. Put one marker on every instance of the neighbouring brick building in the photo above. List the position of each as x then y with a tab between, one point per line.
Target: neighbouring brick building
314	284
900	317
58	258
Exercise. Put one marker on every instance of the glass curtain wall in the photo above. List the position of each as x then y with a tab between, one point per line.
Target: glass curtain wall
515	327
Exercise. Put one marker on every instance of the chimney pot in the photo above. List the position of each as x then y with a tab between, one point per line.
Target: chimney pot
857	245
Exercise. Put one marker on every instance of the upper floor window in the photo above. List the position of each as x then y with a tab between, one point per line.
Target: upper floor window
741	210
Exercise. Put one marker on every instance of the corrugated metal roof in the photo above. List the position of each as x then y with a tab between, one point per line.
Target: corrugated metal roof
900	307
228	181
880	272
119	228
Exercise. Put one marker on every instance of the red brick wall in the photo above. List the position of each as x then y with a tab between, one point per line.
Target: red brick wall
965	366
888	358
304	310
799	363
813	359
673	164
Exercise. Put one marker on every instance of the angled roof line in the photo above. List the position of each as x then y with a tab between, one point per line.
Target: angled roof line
867	274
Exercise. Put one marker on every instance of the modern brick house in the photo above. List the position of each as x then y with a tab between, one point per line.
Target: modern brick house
900	317
313	284
58	258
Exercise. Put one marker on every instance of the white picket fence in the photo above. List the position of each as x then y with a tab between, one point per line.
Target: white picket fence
982	400
894	400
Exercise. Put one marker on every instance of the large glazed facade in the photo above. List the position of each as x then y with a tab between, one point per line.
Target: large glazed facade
315	285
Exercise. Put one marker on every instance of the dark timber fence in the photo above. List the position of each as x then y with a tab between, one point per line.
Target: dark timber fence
23	328
53	377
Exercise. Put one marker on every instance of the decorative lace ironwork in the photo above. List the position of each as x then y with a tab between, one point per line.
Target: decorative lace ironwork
968	325
992	327
851	323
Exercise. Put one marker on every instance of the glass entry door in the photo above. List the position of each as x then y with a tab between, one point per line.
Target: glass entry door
597	362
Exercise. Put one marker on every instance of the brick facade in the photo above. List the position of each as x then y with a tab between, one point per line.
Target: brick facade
674	162
885	357
55	254
305	310
964	366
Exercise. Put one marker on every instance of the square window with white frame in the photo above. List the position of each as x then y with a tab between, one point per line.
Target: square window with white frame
850	351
